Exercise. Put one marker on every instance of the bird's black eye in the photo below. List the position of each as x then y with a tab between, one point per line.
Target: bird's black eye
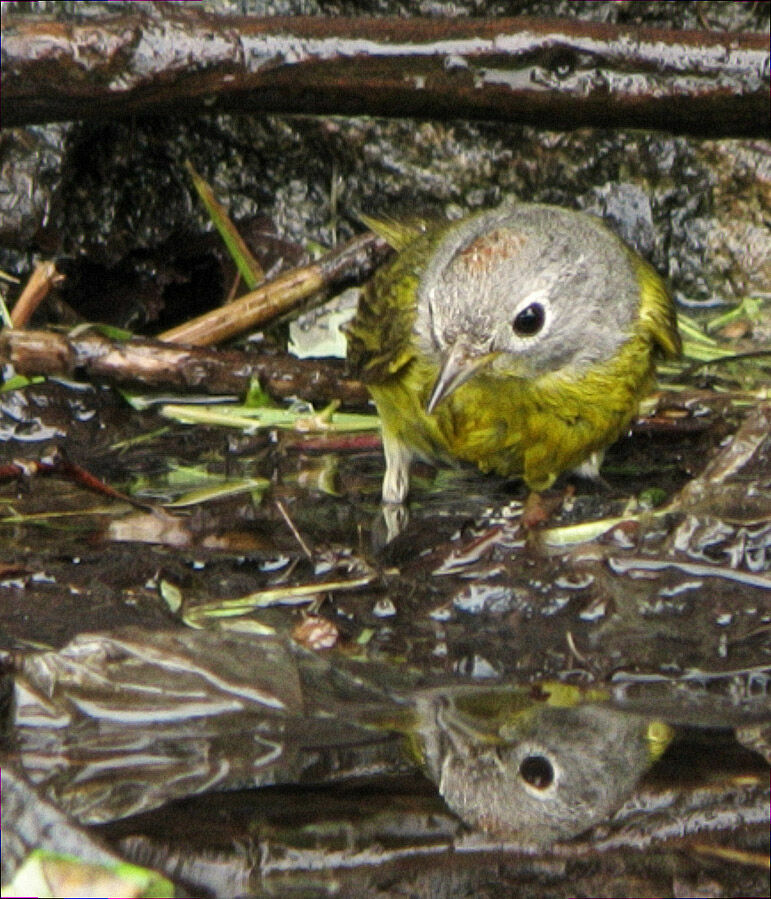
537	771
529	321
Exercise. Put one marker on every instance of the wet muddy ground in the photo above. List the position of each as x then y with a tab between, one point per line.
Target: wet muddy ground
655	585
228	553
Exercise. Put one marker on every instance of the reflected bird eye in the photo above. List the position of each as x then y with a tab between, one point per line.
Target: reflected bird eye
537	771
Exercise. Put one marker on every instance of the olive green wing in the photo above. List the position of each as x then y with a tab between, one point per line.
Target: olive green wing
657	312
380	333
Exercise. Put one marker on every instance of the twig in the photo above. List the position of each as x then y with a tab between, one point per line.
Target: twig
293	528
43	278
59	464
350	262
150	363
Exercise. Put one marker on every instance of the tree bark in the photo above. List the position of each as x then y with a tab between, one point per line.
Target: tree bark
557	74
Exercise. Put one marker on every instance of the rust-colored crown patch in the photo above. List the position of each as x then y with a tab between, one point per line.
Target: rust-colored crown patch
485	250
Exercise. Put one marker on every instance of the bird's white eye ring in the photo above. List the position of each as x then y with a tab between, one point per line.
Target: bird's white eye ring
532	316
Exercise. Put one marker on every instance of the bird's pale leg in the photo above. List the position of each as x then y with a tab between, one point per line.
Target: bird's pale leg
534	513
396	483
590	469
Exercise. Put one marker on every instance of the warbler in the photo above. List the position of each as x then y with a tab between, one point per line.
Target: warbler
519	339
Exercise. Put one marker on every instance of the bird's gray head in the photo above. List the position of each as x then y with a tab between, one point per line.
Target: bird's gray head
552	774
531	288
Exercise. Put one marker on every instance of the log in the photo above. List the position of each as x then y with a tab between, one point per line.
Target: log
553	73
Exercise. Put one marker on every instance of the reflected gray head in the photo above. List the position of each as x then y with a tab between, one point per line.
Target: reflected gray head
558	772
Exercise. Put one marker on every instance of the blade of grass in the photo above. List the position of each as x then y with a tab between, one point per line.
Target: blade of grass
253	419
248	267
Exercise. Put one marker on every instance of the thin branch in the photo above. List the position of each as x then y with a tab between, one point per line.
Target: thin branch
153	364
59	464
43	278
352	261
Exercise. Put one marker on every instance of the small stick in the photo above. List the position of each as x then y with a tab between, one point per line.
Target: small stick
59	464
43	278
152	364
293	528
339	267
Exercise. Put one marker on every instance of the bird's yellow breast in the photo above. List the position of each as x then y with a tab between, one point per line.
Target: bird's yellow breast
533	428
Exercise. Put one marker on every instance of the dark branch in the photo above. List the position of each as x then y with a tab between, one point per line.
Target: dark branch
153	364
558	74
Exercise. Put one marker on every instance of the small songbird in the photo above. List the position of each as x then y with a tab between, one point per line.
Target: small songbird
520	339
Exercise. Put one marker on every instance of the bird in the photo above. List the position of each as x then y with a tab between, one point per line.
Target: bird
519	339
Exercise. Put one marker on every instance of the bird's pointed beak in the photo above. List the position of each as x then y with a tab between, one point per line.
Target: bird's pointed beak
459	365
